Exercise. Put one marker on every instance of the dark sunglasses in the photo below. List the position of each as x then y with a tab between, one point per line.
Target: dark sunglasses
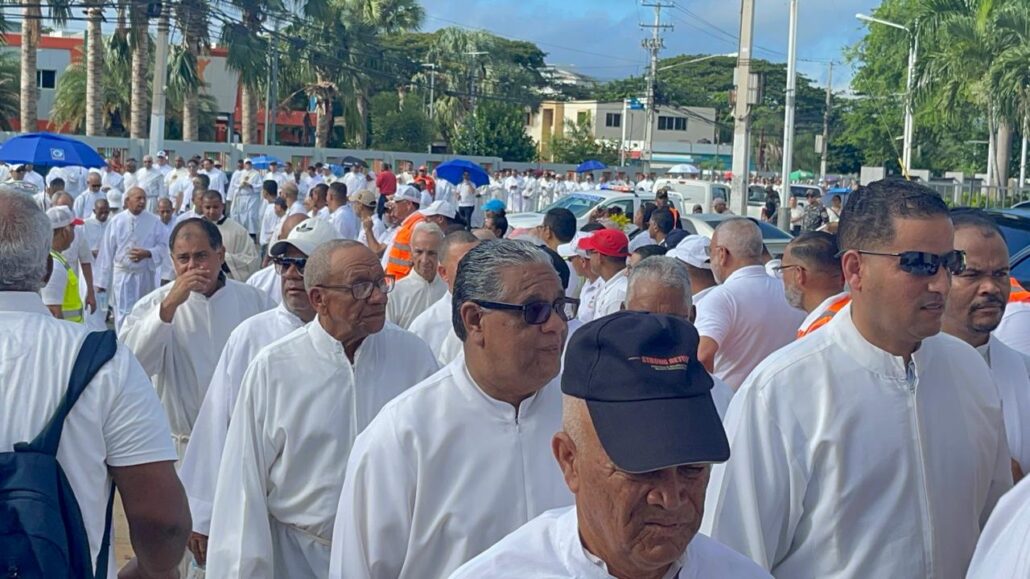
926	264
534	313
282	264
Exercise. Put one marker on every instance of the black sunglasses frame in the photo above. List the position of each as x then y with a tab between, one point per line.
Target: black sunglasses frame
924	264
282	264
557	307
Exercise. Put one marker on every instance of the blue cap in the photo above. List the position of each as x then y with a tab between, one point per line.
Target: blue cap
648	395
494	205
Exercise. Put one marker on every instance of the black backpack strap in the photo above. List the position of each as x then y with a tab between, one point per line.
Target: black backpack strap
96	350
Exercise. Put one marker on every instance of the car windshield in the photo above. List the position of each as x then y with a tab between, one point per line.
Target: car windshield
578	203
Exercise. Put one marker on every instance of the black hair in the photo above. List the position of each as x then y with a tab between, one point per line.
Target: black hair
591	227
646	251
867	220
562	223
271	187
647	209
817	250
964	217
663	220
500	222
338	191
204	180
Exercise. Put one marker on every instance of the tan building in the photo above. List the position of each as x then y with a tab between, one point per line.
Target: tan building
673	125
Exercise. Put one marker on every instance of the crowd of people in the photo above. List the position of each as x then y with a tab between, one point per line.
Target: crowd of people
365	376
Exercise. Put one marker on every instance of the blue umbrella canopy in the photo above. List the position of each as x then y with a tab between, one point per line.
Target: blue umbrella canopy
51	150
590	166
262	161
453	170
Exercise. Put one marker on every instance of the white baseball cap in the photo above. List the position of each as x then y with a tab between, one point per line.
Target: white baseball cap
572	248
162	155
114	198
407	193
693	250
306	236
440	207
62	216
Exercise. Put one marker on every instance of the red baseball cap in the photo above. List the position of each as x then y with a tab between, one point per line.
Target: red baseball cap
610	242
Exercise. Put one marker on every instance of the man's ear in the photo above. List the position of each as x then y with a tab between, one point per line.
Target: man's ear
564	450
851	266
472	318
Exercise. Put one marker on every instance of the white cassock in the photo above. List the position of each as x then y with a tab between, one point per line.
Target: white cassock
346	222
166	271
128	180
550	546
443	473
83	205
435	328
1011	372
247	204
269	222
181	356
111	180
267	281
241	254
152	181
411	296
181	194
218	180
199	471
175	176
300	407
1004	547
354	182
849	464
130	280
1014	329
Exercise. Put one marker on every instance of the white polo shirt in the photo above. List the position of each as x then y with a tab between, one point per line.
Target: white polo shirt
749	317
611	295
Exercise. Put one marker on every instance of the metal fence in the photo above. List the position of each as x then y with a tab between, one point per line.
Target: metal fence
975	194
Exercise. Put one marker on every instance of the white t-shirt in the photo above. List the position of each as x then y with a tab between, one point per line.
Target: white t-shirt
117	422
466	194
53	292
749	318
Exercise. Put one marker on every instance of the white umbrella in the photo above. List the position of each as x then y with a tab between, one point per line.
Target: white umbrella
685	168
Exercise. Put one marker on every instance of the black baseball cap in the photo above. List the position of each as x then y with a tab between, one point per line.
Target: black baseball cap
648	395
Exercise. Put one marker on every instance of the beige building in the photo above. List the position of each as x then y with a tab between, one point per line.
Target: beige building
673	126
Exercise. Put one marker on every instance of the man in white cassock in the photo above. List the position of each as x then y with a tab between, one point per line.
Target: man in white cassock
456	463
635	448
218	181
199	471
874	447
84	202
341	214
152	181
241	254
302	402
247	206
129	255
975	307
178	331
415	293
180	187
166	217
434	325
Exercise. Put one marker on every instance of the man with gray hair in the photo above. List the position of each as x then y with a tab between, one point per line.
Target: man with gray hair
415	293
746	317
116	431
457	462
302	402
661	285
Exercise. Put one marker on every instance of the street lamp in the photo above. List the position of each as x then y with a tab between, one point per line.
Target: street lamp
702	59
906	155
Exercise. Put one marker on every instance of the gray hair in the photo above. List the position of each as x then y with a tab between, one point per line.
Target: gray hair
25	238
742	237
667	271
479	273
319	268
430	228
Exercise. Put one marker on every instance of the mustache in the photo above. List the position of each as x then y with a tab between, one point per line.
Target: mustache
987	302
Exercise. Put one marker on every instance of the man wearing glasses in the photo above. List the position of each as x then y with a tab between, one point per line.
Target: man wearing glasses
874	447
456	463
302	402
84	203
812	279
199	471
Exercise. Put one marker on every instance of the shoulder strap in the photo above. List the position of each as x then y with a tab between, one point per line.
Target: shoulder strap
96	350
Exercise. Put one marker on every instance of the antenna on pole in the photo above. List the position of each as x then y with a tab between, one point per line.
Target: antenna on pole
653	45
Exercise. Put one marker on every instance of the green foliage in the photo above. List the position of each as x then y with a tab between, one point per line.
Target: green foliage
578	144
397	128
495	130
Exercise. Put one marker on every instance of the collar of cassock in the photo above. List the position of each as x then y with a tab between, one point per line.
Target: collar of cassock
870	357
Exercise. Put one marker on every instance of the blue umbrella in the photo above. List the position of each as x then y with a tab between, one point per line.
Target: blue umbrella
453	170
263	161
48	149
590	166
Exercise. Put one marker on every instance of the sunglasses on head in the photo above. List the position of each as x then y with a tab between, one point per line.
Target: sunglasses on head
926	264
534	313
282	264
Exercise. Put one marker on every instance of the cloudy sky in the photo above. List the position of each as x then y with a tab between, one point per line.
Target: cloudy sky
601	38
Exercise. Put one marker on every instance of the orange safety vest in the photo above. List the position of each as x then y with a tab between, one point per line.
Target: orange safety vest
1019	294
399	260
826	316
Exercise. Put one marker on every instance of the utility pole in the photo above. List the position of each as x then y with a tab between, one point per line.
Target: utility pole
653	45
157	113
432	98
826	123
473	77
742	109
624	122
788	115
272	99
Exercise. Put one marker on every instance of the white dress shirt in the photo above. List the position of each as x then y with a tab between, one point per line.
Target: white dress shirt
411	296
749	318
588	300
848	463
346	222
436	328
442	473
301	405
550	546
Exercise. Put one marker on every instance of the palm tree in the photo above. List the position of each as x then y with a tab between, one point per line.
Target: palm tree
94	68
114	102
31	29
139	41
183	73
247	48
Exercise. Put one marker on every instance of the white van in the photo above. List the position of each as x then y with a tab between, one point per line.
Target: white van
695	192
